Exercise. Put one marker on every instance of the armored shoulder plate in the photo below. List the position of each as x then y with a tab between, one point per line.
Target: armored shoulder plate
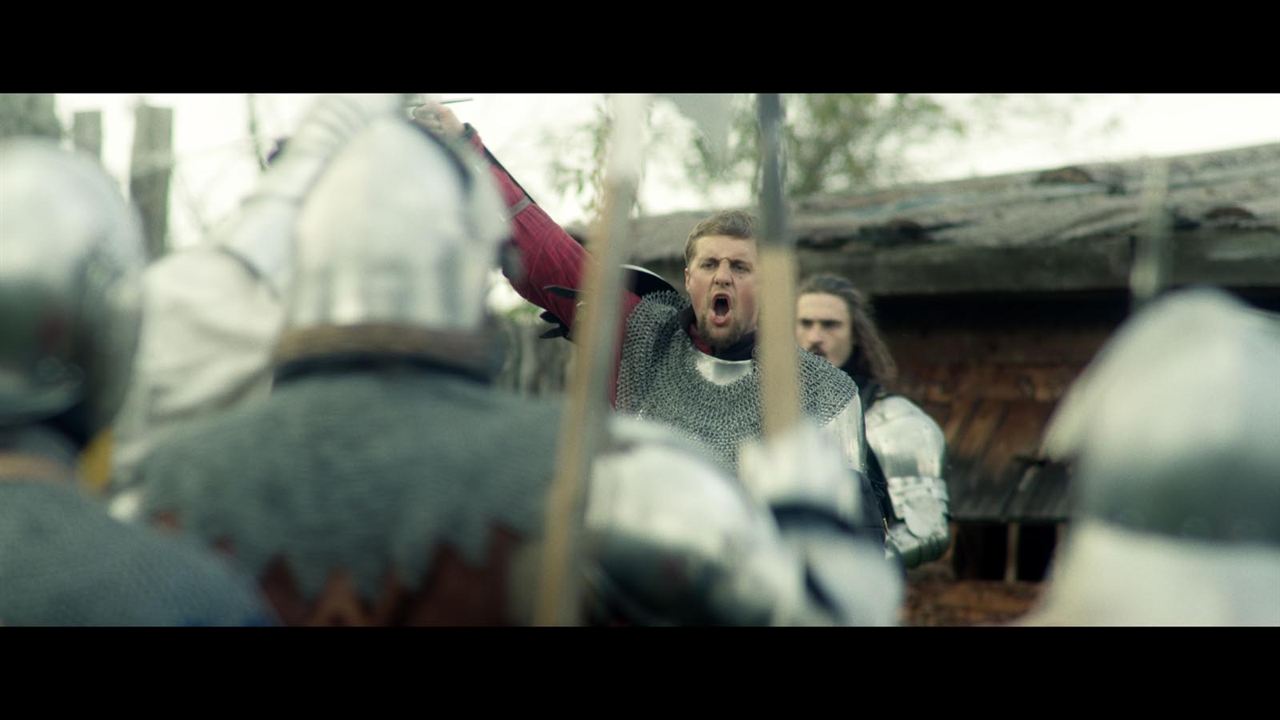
848	431
906	441
911	448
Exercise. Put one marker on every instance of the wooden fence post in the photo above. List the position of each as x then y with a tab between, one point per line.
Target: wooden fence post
86	132
150	167
1011	553
29	114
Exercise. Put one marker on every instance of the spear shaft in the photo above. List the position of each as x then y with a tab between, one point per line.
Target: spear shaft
584	427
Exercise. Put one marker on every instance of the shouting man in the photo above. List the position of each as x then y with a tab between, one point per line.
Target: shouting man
690	362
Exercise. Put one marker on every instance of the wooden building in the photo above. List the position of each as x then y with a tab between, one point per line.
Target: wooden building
993	293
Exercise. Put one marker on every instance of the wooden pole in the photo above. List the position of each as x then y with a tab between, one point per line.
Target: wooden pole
29	114
777	279
584	427
1152	257
150	168
255	138
1011	553
86	132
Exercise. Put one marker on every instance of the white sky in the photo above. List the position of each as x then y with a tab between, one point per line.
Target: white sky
215	161
1113	127
216	166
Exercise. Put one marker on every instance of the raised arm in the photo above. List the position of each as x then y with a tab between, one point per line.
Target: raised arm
549	256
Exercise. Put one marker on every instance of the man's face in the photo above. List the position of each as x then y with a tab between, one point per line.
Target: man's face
721	282
823	327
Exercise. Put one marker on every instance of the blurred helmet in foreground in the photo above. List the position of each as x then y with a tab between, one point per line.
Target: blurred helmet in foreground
1175	431
70	258
395	244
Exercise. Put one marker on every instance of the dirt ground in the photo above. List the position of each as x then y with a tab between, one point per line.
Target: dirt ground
935	597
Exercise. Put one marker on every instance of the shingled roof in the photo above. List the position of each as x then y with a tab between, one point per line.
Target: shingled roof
1048	233
1069	228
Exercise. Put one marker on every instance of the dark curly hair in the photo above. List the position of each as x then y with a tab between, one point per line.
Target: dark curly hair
870	359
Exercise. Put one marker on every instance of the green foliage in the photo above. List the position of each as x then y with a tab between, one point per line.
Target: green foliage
834	143
577	162
522	311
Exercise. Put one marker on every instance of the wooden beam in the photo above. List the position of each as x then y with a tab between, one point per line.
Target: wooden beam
1230	257
1011	554
86	132
934	269
149	172
1233	258
29	114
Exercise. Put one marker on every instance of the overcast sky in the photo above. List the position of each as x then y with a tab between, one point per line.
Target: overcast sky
216	166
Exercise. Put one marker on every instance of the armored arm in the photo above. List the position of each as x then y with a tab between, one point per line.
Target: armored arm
826	514
670	539
214	311
542	254
910	449
846	431
261	233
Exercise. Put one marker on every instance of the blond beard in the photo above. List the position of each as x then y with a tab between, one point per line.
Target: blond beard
704	326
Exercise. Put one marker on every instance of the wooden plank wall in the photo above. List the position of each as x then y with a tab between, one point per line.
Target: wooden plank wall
990	370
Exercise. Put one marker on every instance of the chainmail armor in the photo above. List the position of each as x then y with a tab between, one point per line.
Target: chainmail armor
64	561
658	381
365	471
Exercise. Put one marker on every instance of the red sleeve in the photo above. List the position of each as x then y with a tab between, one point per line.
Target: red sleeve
548	254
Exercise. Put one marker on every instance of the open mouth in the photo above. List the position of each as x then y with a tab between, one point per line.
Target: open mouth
720	307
